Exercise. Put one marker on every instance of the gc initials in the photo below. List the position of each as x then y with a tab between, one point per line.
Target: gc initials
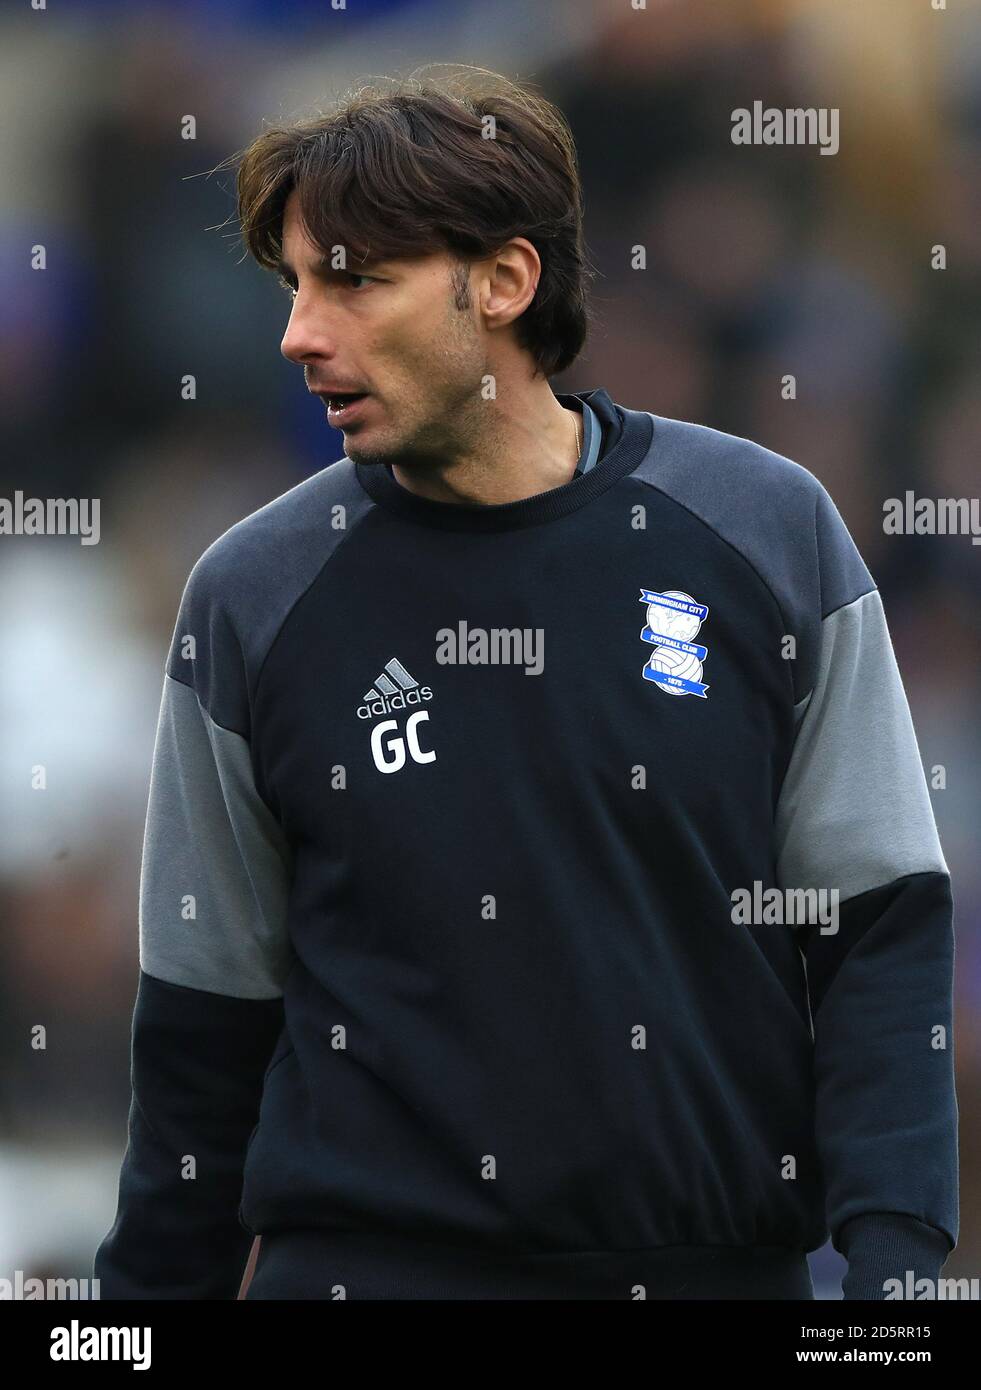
389	753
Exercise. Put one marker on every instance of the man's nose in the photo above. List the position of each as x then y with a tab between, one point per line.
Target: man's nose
306	335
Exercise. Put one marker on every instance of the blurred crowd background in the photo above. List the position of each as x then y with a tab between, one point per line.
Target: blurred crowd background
761	261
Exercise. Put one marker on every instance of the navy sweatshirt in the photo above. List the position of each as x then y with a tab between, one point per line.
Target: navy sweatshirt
469	956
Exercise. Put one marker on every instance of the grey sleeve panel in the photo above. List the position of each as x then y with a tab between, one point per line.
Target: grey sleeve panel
210	837
243	587
775	513
854	811
216	868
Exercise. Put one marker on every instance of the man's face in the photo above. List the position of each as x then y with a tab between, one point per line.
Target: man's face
390	329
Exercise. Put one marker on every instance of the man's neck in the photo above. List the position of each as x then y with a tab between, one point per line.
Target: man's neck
526	451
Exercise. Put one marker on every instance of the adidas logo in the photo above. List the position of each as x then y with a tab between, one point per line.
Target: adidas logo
394	688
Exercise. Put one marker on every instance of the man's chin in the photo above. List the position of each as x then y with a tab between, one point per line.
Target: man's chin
378	452
365	454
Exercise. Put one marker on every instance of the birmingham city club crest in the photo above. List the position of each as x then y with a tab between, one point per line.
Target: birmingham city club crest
673	619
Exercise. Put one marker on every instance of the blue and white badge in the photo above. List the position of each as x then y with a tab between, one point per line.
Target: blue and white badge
673	619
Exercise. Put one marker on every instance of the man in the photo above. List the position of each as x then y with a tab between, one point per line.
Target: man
473	749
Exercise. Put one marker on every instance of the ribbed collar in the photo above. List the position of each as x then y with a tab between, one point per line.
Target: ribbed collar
630	433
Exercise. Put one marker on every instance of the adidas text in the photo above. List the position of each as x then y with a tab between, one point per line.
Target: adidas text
385	703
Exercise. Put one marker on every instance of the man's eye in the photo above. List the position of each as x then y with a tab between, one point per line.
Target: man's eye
351	275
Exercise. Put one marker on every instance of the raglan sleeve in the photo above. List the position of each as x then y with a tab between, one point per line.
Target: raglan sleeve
212	961
854	817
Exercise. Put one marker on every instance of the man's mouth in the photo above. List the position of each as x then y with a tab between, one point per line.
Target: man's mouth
341	405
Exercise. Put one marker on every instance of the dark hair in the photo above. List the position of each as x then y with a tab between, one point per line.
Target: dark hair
409	171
